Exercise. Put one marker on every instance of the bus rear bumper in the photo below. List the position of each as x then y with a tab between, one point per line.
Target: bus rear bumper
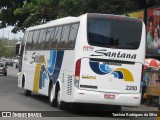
83	96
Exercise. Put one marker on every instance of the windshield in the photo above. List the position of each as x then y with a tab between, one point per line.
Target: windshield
1	65
114	31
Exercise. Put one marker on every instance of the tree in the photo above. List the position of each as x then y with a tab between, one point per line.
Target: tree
24	13
6	50
7	16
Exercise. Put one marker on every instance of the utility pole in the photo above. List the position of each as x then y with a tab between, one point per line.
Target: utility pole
8	38
3	33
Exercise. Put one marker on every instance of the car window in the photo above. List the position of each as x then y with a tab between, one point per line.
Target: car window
1	65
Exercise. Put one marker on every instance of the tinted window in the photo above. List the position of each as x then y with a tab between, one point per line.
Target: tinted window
25	37
29	41
72	36
57	37
35	39
42	39
52	39
65	36
23	41
39	41
1	65
123	33
46	36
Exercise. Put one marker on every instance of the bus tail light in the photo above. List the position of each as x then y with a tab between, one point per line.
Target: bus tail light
77	72
142	73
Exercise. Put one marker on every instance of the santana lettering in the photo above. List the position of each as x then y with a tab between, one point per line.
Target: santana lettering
114	54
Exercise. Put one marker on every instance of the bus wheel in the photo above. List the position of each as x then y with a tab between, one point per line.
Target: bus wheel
60	104
52	101
27	92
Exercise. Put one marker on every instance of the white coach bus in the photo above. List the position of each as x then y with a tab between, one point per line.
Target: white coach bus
93	58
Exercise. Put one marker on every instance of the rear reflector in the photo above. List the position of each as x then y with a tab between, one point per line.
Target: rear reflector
109	96
88	86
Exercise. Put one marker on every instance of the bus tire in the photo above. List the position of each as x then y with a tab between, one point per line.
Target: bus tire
60	104
52	101
27	92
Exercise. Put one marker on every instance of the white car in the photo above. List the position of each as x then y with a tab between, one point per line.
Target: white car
3	69
16	63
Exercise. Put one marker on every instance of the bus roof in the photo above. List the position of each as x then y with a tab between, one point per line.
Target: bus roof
56	22
70	19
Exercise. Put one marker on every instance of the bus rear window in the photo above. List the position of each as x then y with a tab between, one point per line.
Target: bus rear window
124	33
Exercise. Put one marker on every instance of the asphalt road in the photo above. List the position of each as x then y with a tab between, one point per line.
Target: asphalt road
13	99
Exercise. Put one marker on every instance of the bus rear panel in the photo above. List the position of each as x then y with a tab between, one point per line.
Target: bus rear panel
108	69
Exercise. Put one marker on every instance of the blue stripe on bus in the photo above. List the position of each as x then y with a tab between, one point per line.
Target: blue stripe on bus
95	67
57	67
120	74
54	66
51	62
105	68
43	77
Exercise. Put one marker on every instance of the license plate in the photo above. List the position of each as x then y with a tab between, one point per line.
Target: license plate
109	96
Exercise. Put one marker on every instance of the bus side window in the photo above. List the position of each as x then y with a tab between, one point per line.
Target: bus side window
23	42
43	38
40	40
48	35
51	39
64	38
35	39
29	41
72	36
57	37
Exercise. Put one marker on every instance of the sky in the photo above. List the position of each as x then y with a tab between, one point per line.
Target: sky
8	33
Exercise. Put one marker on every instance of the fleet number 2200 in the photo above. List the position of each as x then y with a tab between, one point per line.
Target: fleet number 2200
134	88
